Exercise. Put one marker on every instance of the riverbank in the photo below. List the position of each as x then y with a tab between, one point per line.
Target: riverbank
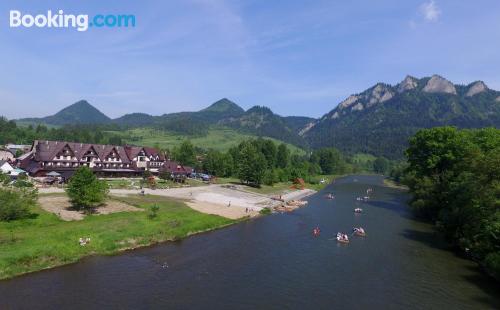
391	183
50	238
46	241
227	200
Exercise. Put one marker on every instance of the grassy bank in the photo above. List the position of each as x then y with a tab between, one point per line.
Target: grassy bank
391	183
46	241
280	187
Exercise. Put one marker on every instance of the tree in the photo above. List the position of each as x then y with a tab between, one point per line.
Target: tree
212	163
85	190
270	177
381	165
269	150
330	160
282	156
115	140
185	153
19	153
251	164
454	178
16	204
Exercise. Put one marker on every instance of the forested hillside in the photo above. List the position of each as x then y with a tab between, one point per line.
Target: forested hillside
381	119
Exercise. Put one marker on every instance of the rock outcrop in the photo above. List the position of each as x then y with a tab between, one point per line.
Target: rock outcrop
408	83
476	88
438	84
348	102
381	93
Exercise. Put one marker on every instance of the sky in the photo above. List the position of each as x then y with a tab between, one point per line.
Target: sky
296	57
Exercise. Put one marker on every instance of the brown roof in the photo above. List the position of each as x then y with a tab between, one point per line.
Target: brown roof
174	167
47	150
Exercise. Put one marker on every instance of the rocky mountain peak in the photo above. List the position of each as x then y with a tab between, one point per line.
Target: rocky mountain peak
407	84
476	88
348	102
438	84
379	94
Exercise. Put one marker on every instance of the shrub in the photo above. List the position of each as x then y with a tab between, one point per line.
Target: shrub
265	211
15	204
153	211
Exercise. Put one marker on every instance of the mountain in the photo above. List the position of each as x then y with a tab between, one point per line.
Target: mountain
134	120
224	106
378	120
382	118
261	121
297	123
80	112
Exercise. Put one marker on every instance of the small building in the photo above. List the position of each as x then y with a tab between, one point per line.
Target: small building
6	155
6	167
14	148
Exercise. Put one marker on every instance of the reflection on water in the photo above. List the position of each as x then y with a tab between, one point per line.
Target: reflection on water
275	263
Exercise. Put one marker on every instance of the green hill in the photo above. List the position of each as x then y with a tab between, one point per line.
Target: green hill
80	112
217	138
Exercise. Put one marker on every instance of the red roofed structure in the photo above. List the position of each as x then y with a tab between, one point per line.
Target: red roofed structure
104	160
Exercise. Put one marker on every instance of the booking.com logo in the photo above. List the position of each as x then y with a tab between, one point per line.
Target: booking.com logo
61	20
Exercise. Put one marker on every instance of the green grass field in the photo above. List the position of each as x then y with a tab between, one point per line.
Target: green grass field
220	139
46	241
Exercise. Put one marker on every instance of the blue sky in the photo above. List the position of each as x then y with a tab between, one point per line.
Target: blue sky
297	57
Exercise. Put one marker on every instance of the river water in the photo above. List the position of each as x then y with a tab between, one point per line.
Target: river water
275	263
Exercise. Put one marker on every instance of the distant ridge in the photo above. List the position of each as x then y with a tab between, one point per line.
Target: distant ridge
378	120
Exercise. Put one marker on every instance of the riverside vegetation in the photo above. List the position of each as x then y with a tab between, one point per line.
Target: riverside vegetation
454	178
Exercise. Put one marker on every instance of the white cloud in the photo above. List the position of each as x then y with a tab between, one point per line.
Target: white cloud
430	11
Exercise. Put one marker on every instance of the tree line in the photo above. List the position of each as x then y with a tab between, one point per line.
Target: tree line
262	161
10	132
454	176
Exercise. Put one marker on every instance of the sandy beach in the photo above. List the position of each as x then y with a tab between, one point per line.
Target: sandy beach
233	203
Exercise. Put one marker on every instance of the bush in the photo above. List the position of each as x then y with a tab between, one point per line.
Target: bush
85	190
23	184
265	211
153	211
4	179
15	204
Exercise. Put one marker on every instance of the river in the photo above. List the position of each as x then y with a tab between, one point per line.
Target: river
275	263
